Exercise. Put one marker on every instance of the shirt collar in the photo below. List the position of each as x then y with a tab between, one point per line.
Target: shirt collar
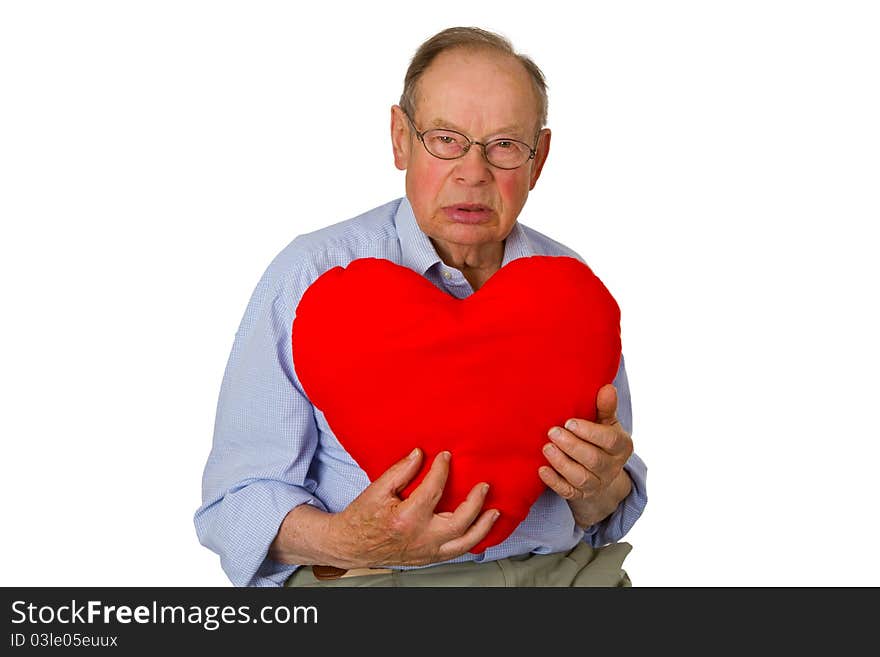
416	251
517	245
418	254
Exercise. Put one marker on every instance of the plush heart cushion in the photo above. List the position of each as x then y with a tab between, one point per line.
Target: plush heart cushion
394	363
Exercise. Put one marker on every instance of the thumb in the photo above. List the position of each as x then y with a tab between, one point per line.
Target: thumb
606	405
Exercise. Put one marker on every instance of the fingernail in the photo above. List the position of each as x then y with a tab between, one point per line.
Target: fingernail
485	488
549	450
413	454
571	425
445	455
554	432
495	516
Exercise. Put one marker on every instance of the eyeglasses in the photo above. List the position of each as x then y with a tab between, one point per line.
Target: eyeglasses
451	145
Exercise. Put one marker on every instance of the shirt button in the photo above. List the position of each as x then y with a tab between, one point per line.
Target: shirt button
447	275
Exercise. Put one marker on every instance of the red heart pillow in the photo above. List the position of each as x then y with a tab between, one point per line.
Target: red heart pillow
394	363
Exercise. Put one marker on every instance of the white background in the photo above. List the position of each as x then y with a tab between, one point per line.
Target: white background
715	162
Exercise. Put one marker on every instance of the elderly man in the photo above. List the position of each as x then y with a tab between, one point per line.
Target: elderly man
284	503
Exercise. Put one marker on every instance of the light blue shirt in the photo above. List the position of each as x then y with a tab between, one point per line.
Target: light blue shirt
273	450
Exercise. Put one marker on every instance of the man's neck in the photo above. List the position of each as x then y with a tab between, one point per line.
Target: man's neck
476	263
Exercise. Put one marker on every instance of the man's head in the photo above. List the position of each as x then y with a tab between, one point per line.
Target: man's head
472	82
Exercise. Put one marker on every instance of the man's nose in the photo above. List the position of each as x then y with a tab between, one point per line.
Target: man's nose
473	168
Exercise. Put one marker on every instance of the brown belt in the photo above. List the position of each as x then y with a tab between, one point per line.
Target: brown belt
332	572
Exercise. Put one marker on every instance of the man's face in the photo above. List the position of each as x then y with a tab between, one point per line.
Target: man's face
483	95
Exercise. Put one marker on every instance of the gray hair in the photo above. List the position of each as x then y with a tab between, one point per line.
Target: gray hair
472	38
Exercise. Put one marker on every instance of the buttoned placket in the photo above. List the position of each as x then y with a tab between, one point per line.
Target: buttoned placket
454	282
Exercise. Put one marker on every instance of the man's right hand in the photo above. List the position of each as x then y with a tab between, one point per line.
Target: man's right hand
379	528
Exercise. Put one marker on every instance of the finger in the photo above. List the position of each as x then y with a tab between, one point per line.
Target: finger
606	405
585	453
466	512
611	438
558	484
430	490
574	472
476	533
398	476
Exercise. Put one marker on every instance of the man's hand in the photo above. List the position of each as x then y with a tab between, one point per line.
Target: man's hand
587	461
379	528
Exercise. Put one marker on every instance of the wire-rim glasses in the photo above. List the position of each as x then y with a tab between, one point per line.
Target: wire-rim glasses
446	144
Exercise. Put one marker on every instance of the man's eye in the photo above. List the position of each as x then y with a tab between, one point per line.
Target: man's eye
445	139
505	144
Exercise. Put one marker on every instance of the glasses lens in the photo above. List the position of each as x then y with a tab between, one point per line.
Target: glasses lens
445	143
507	153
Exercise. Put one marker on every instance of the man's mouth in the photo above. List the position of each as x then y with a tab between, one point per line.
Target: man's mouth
468	213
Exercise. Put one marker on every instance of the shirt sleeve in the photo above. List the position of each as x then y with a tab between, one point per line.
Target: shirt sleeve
264	439
615	526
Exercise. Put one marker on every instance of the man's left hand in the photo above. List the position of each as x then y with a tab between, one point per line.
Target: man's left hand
586	461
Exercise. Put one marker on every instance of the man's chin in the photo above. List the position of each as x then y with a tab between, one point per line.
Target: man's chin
470	234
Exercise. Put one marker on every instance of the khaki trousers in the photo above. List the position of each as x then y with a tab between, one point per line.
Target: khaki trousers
581	566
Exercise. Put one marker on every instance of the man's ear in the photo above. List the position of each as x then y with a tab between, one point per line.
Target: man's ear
401	137
543	149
